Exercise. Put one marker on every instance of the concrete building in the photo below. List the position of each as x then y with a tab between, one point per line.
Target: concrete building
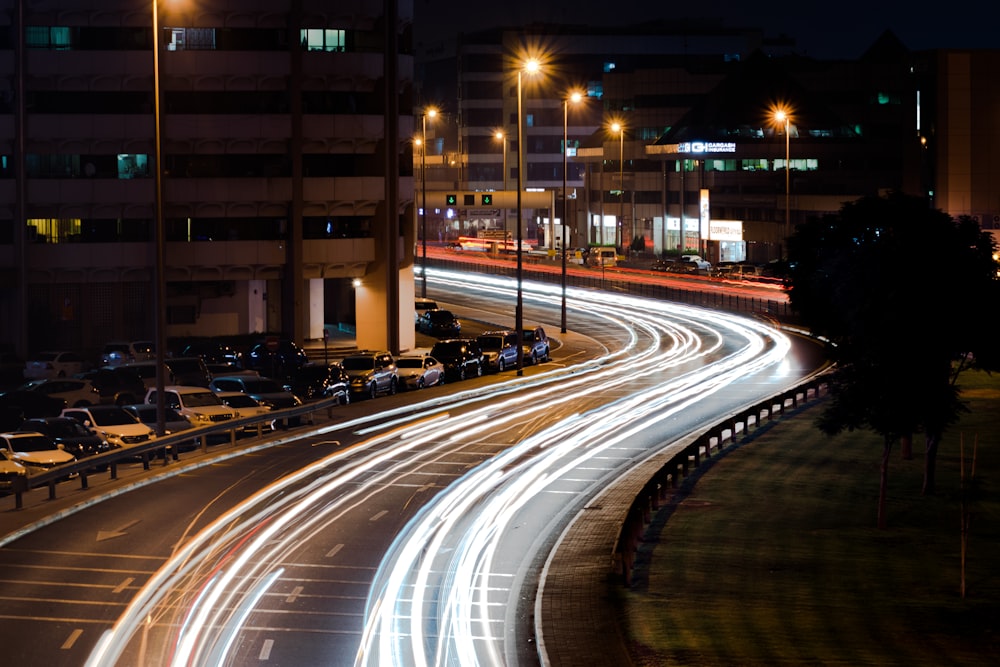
284	138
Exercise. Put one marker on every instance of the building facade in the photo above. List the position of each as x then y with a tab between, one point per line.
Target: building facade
286	197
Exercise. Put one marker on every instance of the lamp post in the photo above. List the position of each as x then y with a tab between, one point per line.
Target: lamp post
782	116
430	111
575	98
530	66
160	292
502	138
620	129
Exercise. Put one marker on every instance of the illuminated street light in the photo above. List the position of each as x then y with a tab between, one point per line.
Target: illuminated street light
531	66
432	112
782	116
620	129
575	97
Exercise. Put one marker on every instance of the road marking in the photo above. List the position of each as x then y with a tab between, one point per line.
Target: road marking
379	515
73	636
265	650
334	551
109	534
122	586
296	592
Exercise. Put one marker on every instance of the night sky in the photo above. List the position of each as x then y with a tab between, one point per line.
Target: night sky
831	29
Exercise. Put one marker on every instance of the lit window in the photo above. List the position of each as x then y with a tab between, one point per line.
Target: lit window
317	39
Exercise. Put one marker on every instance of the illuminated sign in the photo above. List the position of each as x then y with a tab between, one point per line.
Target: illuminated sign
707	147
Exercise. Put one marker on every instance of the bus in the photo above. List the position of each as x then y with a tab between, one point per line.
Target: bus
492	246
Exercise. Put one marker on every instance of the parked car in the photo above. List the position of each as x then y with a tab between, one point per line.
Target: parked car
499	349
69	434
417	371
13	475
184	371
113	423
117	385
73	391
276	359
270	393
117	353
214	351
199	405
421	306
173	421
53	364
371	373
535	345
315	381
36	452
461	357
699	261
17	405
218	370
439	322
246	406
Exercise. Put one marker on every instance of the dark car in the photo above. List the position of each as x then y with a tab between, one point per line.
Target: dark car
69	434
439	322
499	349
316	381
277	359
17	405
214	351
461	357
535	344
118	385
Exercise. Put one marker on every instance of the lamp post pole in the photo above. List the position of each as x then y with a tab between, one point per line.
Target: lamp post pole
160	297
573	97
565	216
501	137
518	316
531	66
784	117
621	180
423	201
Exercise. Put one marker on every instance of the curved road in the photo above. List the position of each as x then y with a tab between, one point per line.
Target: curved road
413	536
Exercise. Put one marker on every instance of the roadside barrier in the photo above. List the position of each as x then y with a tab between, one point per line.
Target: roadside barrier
655	491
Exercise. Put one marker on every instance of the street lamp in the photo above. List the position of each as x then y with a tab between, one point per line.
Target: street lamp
160	292
620	129
574	97
432	112
502	138
531	66
782	116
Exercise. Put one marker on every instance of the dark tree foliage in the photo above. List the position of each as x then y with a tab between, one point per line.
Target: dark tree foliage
903	293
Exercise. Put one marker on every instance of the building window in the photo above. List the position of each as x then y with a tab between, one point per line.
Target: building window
190	39
45	37
133	165
317	39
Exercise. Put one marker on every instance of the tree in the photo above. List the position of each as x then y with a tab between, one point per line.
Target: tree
901	292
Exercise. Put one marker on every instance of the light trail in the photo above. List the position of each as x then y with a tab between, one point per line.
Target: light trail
433	600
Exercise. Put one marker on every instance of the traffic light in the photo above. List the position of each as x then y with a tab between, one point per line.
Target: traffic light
487	200
451	200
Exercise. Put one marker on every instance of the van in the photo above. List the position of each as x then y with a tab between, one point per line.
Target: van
602	256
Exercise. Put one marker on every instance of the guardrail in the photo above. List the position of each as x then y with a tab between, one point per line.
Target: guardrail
166	449
655	491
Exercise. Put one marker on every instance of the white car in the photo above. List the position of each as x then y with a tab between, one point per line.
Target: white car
53	364
246	406
36	452
11	472
417	371
75	392
117	353
703	264
112	423
199	404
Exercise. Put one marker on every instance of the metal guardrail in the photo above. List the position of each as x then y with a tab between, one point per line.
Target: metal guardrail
166	448
653	492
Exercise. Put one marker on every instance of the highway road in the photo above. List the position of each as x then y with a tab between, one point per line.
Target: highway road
408	530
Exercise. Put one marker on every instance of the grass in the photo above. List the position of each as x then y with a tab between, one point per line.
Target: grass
773	557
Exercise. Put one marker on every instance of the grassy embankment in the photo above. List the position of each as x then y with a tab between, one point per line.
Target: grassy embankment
774	557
